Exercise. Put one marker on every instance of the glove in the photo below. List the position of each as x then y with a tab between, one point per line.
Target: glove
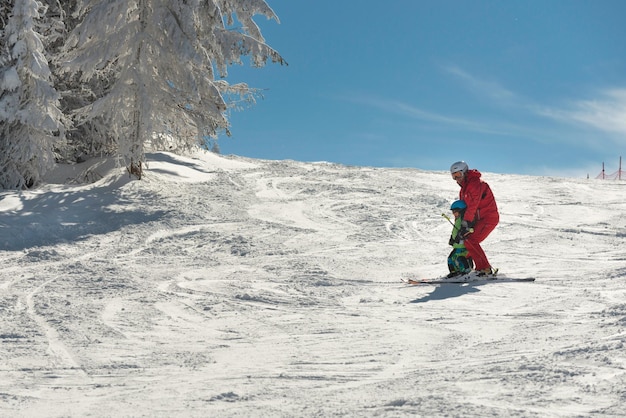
464	232
466	228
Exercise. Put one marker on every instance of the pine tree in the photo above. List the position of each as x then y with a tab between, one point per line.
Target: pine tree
31	123
160	57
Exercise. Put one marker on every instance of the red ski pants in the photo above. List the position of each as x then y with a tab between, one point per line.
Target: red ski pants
482	229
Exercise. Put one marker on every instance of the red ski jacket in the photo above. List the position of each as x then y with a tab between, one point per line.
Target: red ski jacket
481	204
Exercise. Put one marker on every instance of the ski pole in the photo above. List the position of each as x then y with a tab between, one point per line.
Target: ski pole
448	218
452	223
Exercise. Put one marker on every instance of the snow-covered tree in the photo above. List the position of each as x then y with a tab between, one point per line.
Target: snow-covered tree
31	123
162	57
5	8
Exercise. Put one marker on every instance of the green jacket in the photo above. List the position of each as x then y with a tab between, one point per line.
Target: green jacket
456	240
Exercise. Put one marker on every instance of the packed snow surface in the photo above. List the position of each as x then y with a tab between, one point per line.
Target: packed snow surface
225	286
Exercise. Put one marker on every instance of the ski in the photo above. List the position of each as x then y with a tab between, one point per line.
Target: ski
477	280
471	278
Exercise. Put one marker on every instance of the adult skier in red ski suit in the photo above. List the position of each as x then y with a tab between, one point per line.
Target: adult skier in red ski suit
481	215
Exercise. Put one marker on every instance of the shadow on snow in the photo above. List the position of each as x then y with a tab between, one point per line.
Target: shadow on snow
50	218
448	291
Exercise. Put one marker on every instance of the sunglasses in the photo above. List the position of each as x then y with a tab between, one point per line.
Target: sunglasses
458	175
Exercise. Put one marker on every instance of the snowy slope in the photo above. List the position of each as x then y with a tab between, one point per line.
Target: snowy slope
223	286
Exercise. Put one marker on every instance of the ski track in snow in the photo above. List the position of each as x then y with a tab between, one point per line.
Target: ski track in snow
222	286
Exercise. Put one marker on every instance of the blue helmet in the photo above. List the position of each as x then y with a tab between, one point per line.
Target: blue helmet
458	205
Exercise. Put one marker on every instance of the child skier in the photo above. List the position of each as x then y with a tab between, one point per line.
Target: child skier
459	262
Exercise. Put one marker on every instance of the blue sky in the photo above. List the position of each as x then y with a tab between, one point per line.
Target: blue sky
524	87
